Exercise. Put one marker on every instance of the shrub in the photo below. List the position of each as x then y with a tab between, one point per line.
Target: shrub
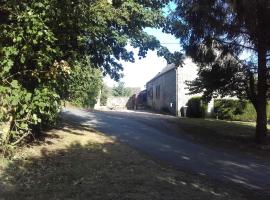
236	110
22	111
84	85
229	108
196	107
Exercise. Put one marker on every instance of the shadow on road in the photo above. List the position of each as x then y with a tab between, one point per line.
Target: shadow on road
105	170
141	133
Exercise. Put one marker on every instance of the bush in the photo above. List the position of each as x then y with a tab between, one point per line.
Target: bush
236	110
196	107
84	85
229	109
22	111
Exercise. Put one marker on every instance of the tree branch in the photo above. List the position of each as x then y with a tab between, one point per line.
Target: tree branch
21	138
234	44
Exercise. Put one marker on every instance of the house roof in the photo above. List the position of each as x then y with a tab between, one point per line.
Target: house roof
163	71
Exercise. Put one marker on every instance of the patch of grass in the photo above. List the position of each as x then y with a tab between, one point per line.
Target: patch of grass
76	162
230	135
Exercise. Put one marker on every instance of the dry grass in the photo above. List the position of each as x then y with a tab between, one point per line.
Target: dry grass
78	163
235	136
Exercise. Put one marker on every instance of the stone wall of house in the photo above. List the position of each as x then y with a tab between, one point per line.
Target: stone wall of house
166	99
188	72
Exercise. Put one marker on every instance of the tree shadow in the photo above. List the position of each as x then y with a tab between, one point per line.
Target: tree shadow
231	135
101	171
221	166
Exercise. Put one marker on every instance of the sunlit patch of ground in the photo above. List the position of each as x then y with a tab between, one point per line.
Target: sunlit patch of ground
76	162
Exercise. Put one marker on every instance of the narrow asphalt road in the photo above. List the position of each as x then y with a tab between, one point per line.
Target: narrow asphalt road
148	133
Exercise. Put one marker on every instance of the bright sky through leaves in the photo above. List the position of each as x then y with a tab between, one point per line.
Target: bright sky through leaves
138	73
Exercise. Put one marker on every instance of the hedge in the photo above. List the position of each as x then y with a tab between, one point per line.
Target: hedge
196	107
236	110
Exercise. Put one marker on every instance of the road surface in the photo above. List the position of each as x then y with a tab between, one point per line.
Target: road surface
152	134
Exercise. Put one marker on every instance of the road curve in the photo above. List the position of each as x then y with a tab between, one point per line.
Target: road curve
148	133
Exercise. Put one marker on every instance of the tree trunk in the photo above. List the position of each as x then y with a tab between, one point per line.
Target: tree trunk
261	126
261	100
262	88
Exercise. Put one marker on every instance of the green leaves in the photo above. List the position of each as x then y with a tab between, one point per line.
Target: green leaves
14	84
52	49
7	59
28	97
84	85
102	30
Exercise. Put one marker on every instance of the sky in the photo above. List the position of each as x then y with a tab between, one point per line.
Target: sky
142	70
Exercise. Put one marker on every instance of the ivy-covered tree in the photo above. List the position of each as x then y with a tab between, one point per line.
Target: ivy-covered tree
230	42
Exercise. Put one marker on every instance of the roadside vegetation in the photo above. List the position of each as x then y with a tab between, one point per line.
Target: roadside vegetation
59	50
230	42
55	51
76	162
83	86
230	126
236	110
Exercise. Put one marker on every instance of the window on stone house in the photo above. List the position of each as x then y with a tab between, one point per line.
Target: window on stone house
158	92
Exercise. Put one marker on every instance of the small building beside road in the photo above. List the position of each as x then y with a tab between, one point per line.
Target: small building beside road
168	92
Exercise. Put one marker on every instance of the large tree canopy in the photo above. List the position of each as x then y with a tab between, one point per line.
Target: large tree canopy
96	28
44	45
102	30
230	42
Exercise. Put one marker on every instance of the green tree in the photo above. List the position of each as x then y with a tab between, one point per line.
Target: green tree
101	30
121	91
230	42
28	72
45	45
83	85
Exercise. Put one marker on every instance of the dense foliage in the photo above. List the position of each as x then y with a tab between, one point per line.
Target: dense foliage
230	109
196	108
49	50
29	72
230	42
83	85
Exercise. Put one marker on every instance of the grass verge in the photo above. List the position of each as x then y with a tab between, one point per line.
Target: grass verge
76	162
230	135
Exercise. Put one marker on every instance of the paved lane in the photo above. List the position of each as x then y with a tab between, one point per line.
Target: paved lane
152	134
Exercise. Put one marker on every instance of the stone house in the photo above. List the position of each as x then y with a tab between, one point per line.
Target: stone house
167	91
